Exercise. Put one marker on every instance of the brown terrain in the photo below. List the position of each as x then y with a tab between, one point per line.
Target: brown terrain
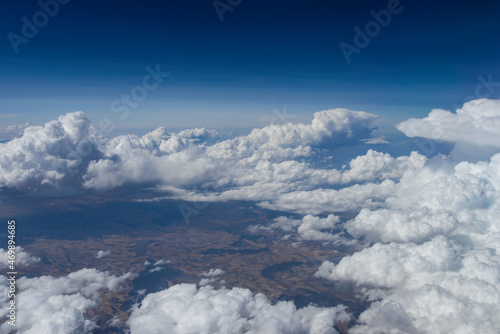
282	269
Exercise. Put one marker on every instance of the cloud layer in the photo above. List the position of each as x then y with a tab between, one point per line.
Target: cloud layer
68	153
427	230
432	263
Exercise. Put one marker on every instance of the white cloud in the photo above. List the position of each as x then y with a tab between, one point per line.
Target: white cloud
322	201
157	266
375	141
417	225
477	122
389	265
211	276
22	258
432	263
308	228
151	158
67	153
213	273
200	135
161	262
297	187
54	155
379	166
430	228
155	269
48	304
185	309
464	300
102	253
329	127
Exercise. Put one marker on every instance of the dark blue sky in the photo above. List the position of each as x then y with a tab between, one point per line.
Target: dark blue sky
263	55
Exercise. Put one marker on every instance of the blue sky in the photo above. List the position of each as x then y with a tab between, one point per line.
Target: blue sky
233	73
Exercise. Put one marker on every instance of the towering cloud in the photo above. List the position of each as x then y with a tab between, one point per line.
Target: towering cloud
68	153
55	155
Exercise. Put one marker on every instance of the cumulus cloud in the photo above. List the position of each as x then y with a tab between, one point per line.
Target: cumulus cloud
156	157
22	258
185	309
320	201
298	187
329	127
213	273
389	265
431	264
102	253
308	228
401	225
433	287
68	153
176	160
158	265
477	122
429	227
49	304
54	155
211	276
375	141
201	135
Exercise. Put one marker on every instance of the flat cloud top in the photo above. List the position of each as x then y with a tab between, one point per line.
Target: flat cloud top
477	122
